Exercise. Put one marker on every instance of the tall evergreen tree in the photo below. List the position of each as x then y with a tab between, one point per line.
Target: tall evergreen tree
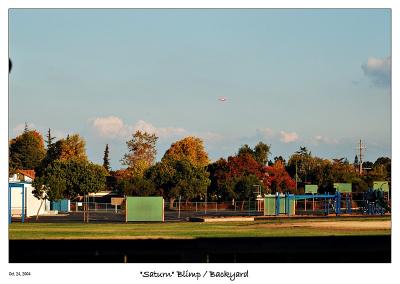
106	159
356	163
26	129
50	139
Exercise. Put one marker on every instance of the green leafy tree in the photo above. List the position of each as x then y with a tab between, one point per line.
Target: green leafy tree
72	147
301	163
368	165
245	187
142	152
163	176
69	178
190	181
386	163
138	186
26	151
245	149
174	178
261	152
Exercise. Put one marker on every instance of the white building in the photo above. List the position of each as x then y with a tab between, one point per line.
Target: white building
32	204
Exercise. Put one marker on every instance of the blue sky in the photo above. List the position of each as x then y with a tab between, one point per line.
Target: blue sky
319	78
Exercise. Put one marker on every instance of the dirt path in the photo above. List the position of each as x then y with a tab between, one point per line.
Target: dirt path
352	224
365	225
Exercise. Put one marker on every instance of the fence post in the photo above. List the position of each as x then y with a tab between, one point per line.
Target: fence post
179	207
196	206
216	206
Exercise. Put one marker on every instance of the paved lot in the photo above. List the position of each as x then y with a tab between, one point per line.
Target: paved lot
107	217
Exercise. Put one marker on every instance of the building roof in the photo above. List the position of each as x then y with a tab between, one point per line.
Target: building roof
28	173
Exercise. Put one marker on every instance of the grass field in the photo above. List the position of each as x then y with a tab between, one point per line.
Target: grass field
185	230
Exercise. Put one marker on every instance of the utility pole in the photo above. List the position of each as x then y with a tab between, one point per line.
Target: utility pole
360	149
296	176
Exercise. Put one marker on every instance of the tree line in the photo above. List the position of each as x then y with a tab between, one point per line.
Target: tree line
185	170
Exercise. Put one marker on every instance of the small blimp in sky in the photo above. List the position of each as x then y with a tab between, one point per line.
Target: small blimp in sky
222	99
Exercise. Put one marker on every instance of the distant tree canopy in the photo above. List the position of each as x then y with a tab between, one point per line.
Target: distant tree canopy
63	171
70	148
181	172
26	151
189	148
142	152
302	163
259	153
137	186
230	178
280	179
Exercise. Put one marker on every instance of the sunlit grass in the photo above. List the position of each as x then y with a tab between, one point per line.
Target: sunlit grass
268	228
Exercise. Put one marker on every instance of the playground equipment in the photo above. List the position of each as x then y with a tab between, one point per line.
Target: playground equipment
374	202
284	204
338	203
345	190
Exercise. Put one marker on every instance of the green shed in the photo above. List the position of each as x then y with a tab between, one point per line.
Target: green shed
146	209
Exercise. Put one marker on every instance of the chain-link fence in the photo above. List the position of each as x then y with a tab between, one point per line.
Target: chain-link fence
96	207
183	210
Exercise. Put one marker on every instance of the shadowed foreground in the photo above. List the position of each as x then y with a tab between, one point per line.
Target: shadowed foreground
243	250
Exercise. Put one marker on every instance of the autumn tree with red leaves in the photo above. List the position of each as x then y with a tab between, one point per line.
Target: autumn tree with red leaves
280	179
235	177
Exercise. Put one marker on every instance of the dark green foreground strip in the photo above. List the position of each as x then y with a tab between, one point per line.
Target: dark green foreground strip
228	250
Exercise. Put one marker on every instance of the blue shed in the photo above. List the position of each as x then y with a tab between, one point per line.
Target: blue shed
62	205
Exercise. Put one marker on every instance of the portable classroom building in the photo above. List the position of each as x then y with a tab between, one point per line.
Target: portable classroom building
31	203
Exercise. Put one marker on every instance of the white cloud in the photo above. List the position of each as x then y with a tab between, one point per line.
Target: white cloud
265	132
162	132
318	139
288	137
379	70
211	137
110	126
114	127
